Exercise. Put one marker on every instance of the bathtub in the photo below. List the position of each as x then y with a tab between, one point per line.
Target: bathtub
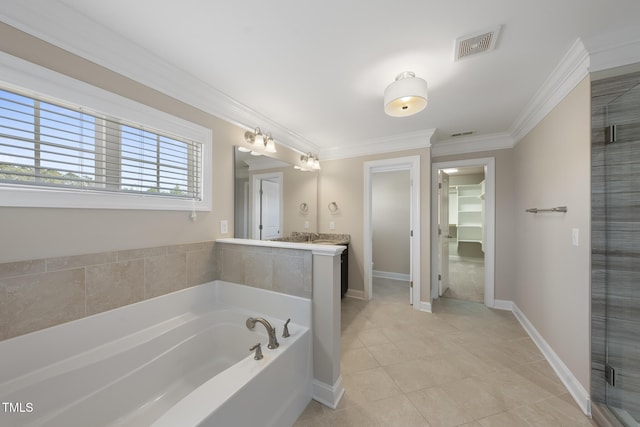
177	360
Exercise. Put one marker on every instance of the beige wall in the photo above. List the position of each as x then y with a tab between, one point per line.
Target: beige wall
342	181
505	268
35	233
552	285
391	206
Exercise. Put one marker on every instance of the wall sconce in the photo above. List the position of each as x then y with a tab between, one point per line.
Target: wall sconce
308	162
260	141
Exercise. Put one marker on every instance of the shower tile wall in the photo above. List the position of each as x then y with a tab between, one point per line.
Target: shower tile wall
37	294
615	283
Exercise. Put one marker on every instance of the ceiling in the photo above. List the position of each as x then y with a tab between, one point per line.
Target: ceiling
314	73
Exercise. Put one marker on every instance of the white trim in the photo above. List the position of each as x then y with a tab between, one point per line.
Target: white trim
580	395
326	250
63	26
355	293
422	306
412	164
39	81
571	70
328	395
616	48
389	144
392	275
473	144
501	304
490	224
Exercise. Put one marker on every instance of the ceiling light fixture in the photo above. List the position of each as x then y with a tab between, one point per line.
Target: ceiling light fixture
406	96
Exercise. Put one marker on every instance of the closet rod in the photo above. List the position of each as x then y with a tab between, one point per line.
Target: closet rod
558	209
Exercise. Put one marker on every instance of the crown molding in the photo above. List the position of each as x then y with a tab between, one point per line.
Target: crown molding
64	27
475	144
390	144
571	70
613	49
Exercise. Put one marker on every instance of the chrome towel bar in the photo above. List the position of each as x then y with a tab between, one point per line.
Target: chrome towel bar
558	209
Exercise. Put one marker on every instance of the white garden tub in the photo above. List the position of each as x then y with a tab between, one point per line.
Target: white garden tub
177	360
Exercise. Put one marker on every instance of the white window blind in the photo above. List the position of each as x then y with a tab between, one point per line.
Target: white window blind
44	143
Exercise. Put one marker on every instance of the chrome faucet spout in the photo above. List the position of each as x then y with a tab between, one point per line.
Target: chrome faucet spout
271	331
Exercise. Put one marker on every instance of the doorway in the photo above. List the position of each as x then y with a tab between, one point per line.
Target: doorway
411	165
267	206
391	227
462	225
463	230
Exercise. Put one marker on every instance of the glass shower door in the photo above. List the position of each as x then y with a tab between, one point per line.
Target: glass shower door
622	244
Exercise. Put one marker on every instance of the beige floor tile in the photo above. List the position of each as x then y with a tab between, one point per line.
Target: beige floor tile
372	384
387	354
357	359
473	399
503	419
396	411
438	408
463	365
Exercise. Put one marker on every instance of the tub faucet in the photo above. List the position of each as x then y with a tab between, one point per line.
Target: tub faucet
273	341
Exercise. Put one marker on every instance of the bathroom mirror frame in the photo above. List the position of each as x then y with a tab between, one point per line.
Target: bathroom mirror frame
299	192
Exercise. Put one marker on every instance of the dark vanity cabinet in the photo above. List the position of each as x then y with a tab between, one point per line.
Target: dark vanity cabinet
344	270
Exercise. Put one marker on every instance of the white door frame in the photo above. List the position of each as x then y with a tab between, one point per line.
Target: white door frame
489	164
255	184
412	164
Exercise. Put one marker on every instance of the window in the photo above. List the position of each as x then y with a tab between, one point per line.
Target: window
81	146
46	144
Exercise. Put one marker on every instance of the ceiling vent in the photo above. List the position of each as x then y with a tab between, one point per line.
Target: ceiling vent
475	43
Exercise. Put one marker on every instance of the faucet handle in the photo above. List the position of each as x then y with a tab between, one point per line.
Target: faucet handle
258	350
285	332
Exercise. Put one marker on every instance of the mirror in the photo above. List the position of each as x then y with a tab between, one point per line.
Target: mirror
287	202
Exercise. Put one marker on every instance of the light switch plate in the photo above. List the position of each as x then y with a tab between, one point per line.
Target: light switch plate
224	226
306	225
332	225
575	237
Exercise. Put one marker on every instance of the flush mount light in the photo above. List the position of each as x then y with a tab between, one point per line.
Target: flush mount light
406	96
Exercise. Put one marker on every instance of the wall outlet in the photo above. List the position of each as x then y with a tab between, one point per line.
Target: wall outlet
224	226
575	237
332	225
306	225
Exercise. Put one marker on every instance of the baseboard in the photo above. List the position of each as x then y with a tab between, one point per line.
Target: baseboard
351	293
501	304
577	391
391	275
423	306
328	395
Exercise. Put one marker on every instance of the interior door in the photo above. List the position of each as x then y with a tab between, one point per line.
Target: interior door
270	210
443	231
411	207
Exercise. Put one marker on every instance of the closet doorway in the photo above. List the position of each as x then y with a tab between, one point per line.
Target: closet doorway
463	213
462	227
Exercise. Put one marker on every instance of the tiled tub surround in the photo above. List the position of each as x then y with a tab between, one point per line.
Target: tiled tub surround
615	283
281	269
181	359
297	268
37	294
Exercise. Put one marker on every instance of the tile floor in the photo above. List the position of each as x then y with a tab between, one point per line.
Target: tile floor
463	365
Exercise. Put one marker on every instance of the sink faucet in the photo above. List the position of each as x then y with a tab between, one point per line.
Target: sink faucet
273	341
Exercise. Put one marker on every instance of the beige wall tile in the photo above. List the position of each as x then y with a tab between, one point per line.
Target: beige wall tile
164	274
202	267
141	253
189	247
258	268
232	266
66	262
12	269
114	285
37	301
